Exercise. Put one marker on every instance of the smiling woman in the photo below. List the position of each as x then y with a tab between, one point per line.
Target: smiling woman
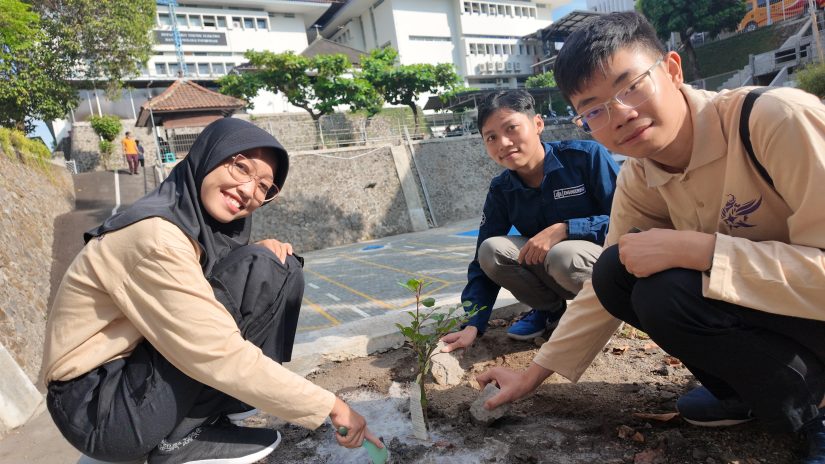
169	324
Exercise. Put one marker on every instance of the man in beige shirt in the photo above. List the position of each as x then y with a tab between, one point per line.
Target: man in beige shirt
727	270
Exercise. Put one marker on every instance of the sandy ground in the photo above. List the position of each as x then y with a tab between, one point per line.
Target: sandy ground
595	420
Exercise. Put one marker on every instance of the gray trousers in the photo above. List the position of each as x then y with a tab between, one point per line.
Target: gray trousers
541	286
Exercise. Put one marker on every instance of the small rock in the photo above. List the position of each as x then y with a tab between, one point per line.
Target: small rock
664	370
538	341
699	454
481	416
651	456
446	367
624	431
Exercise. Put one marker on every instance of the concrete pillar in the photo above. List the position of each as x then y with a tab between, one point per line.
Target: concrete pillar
18	397
409	188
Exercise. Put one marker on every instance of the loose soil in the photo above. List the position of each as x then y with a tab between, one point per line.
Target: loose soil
593	421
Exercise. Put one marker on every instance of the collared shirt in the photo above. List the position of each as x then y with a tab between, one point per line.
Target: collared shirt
769	241
577	189
129	146
145	282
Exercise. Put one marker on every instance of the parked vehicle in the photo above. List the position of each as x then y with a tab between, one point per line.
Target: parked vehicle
757	13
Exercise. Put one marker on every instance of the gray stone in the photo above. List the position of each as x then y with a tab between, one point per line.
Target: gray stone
481	416
446	367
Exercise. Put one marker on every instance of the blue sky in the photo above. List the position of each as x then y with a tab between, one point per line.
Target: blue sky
574	5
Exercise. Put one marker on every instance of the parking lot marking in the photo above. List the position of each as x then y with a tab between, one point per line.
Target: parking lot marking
358	311
350	289
402	271
321	311
310	284
333	297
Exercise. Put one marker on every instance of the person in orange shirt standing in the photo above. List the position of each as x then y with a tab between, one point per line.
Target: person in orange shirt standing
131	151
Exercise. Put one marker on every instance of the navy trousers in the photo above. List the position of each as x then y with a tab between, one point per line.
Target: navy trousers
775	363
121	410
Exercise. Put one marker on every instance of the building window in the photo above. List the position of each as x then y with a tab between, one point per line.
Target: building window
490	49
209	21
425	38
476	8
195	21
484	10
174	69
181	19
262	24
520	49
163	20
509	10
203	69
248	23
160	69
190	69
467	8
236	22
218	68
222	21
498	49
230	67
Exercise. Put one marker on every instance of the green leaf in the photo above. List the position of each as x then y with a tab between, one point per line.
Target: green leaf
428	302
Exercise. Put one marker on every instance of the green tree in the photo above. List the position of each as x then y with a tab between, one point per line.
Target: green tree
688	16
811	79
543	80
316	84
402	84
105	40
30	84
107	128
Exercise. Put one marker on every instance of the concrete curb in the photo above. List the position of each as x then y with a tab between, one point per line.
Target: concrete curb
372	335
19	399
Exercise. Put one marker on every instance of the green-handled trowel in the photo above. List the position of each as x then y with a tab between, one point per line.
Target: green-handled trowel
377	455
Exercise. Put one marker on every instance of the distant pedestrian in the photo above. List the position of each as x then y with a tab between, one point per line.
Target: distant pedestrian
140	152
130	150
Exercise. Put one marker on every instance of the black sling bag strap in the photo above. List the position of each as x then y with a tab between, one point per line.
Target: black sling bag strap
745	133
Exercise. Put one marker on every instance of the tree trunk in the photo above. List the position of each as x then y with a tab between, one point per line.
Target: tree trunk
414	109
689	63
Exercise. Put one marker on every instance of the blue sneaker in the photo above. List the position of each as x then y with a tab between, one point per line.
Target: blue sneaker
700	407
815	436
535	323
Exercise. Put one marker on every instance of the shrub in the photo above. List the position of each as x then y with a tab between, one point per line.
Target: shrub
812	79
5	142
107	127
33	153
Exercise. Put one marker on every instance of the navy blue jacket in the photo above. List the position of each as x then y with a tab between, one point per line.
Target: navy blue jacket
579	180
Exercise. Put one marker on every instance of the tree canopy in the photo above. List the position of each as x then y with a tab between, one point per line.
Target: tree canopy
537	81
317	84
688	16
106	40
402	84
30	86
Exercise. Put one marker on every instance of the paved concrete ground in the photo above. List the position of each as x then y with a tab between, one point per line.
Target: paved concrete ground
351	302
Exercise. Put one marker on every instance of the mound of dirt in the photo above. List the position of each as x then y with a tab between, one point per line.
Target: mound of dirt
622	411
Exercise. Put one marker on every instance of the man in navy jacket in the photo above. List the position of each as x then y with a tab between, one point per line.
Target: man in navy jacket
558	197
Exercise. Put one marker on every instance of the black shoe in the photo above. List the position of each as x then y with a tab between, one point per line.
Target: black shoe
218	444
700	407
815	436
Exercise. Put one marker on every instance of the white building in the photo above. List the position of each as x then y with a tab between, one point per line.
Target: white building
483	39
214	38
609	6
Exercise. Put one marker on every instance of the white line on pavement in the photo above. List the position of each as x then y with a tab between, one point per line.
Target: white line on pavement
361	313
410	247
430	250
333	297
460	254
117	194
313	285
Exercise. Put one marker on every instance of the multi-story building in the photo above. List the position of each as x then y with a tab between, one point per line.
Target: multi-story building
485	40
609	6
214	38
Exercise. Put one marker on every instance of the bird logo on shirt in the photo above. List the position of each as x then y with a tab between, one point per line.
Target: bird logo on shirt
736	215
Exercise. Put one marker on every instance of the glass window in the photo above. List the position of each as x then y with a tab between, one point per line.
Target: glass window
520	49
209	21
181	19
493	10
509	10
190	69
174	69
467	7
532	12
221	21
160	69
489	49
203	69
230	67
483	8
163	19
218	68
498	49
236	22
195	21
476	8
249	23
262	24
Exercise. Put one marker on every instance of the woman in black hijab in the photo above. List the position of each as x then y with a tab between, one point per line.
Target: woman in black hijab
168	324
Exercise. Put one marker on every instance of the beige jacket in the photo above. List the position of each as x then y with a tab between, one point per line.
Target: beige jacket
770	259
145	281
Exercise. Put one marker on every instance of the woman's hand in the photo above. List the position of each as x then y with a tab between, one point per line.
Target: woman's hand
461	339
281	249
344	416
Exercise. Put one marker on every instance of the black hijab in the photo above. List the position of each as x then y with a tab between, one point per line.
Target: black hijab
177	198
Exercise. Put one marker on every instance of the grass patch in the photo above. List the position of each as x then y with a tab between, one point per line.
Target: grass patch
732	54
32	153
